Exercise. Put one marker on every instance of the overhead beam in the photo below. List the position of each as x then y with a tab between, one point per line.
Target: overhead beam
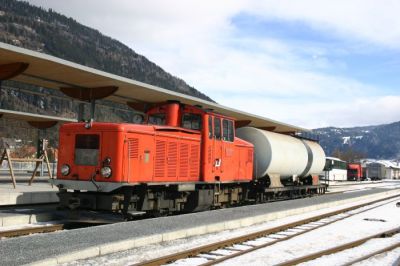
24	116
8	71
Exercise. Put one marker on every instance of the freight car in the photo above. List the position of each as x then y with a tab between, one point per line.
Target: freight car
354	172
182	158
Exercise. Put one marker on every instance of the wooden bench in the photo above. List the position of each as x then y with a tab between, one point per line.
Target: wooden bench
6	144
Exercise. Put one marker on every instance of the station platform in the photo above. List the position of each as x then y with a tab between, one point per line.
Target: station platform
16	216
64	246
39	192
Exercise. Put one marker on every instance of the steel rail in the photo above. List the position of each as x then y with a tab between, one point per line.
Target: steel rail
343	247
213	262
31	230
383	250
237	240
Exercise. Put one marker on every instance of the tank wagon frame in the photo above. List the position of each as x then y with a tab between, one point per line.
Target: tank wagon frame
182	158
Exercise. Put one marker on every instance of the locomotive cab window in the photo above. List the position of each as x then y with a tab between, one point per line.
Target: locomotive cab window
217	128
210	127
227	130
157	119
87	149
191	121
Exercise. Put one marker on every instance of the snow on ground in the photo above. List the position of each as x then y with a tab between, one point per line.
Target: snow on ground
349	187
346	140
329	236
151	251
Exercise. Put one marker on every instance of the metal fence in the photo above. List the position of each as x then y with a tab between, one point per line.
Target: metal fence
27	167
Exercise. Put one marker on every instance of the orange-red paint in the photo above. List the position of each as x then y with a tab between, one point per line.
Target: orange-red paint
159	153
354	171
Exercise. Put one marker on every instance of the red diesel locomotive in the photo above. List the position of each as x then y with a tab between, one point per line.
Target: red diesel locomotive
180	159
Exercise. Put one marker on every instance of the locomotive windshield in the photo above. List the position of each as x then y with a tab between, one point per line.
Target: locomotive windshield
191	121
87	149
157	119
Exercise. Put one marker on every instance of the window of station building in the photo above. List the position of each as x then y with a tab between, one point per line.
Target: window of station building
157	119
191	121
210	127
227	128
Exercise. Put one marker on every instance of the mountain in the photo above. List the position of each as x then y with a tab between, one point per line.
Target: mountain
35	28
378	142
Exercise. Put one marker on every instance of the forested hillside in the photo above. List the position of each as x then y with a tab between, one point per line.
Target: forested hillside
31	27
378	142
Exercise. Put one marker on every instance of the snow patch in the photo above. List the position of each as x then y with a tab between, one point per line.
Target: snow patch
346	140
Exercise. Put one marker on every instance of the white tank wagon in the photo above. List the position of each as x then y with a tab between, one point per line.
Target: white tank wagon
283	157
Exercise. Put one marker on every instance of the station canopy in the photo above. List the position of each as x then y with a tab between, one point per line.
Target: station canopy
35	120
83	82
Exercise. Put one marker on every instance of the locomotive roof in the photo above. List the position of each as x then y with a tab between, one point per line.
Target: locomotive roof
52	72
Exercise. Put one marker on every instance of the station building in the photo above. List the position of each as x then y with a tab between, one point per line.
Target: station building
381	169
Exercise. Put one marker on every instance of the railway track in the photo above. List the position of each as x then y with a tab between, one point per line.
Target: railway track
348	246
32	230
220	251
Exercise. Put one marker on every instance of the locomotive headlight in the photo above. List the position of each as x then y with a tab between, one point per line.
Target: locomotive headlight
105	172
65	169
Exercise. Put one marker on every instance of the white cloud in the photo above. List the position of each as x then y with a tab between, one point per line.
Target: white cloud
345	112
196	41
371	20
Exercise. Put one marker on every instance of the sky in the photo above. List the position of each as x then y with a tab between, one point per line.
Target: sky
310	63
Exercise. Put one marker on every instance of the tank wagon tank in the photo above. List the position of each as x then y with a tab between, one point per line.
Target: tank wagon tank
181	158
283	159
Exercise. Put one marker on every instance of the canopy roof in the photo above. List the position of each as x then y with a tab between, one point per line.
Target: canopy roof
74	79
35	120
24	116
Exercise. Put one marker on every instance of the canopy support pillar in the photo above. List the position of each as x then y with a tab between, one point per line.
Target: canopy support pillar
81	112
92	109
